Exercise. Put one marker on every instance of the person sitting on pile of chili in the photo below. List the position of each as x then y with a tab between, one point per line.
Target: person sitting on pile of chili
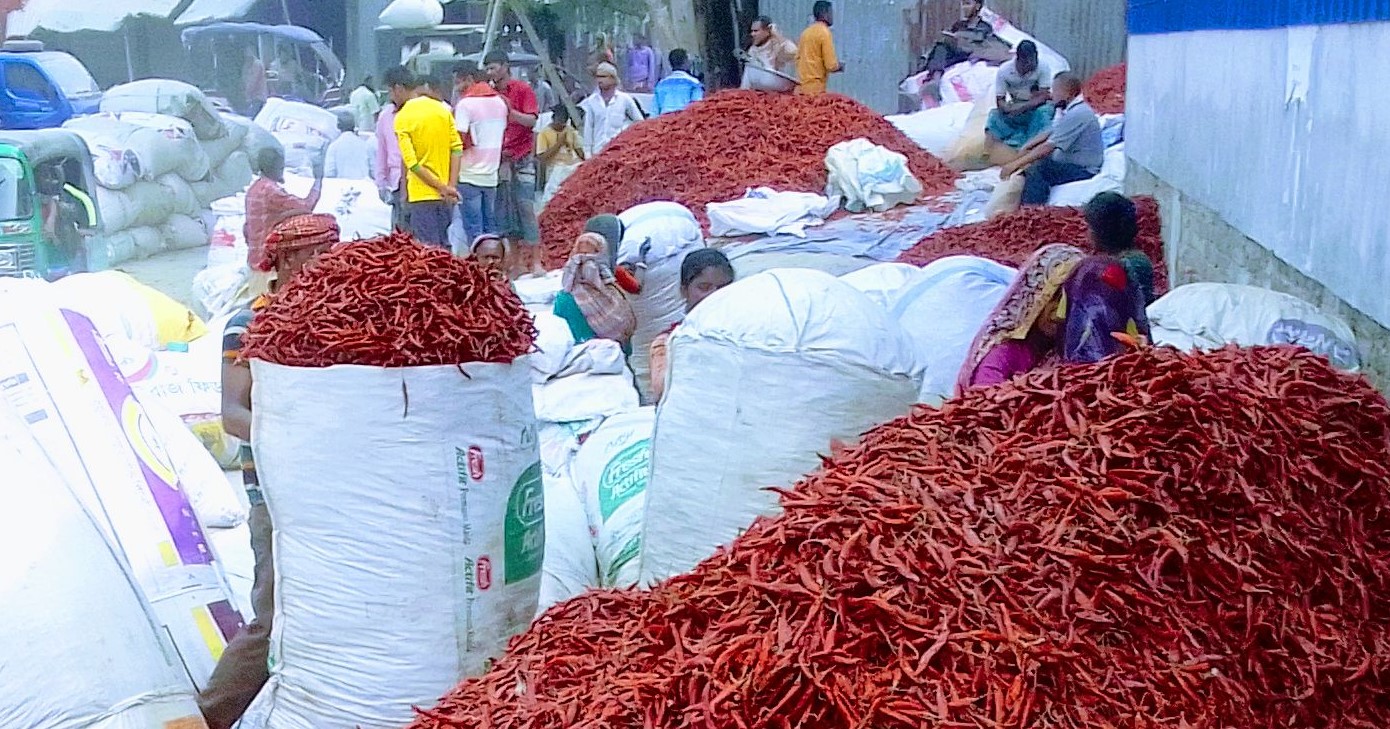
490	252
239	675
1114	224
703	272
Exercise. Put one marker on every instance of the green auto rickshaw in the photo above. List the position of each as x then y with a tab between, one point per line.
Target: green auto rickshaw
50	225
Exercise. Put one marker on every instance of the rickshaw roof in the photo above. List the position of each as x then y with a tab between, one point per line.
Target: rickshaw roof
296	33
46	145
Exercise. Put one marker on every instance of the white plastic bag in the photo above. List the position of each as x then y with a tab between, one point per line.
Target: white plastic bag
280	116
765	210
763	375
96	432
163	96
189	385
553	343
611	471
942	310
212	497
169	144
869	177
968	82
667	232
1110	179
80	646
570	567
882	282
1212	315
934	130
593	381
430	556
412	14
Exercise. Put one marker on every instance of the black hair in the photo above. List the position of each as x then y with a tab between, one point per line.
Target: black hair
678	58
497	56
467	69
560	112
346	123
270	159
699	261
1027	49
820	9
1114	221
399	76
1069	81
764	21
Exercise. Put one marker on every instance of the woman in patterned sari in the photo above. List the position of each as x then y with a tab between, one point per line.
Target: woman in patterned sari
1062	308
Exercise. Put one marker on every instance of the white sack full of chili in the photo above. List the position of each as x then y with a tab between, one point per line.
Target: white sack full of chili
764	375
396	447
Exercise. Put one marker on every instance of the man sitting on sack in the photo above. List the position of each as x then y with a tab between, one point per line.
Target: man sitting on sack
1071	152
242	670
971	38
1021	97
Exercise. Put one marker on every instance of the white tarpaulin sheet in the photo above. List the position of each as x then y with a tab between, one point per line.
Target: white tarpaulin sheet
67	16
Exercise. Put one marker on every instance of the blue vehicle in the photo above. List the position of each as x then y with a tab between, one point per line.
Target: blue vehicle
41	89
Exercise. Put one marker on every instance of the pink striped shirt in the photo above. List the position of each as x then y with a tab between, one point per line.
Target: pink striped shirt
481	115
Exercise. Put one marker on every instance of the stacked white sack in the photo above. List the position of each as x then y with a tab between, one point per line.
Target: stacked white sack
162	155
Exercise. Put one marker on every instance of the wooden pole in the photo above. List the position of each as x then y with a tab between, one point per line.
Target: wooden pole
546	65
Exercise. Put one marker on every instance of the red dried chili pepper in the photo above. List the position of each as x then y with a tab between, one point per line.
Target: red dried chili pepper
717	149
1238	581
1105	91
391	302
1012	237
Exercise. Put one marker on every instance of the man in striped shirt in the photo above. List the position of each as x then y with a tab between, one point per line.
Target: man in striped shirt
480	116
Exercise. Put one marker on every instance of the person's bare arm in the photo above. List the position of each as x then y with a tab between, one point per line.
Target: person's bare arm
455	166
1026	159
1035	141
236	400
553	151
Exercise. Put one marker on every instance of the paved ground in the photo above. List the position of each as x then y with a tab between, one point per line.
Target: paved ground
171	272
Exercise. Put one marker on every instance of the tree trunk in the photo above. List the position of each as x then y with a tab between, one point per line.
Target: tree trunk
673	24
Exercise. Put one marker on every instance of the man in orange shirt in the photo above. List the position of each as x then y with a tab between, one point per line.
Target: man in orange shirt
815	56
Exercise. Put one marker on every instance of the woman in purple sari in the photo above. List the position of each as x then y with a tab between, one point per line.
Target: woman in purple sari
1063	308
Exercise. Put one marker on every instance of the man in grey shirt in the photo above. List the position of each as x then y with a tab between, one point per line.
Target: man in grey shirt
1072	151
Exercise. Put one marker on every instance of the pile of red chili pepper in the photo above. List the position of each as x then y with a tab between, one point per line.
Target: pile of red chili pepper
391	302
1160	540
1105	91
717	149
1012	237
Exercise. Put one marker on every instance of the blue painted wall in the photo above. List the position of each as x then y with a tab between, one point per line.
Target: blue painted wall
1172	16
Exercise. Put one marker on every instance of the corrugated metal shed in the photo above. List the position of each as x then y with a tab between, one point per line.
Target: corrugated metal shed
1089	33
880	40
873	39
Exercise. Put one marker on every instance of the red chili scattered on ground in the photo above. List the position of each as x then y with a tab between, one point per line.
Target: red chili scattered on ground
391	302
717	149
1105	91
1160	540
1011	238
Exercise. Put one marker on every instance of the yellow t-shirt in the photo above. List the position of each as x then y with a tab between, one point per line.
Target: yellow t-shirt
815	58
549	138
425	131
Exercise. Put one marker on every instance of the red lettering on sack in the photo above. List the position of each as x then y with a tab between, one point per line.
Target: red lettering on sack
475	463
484	573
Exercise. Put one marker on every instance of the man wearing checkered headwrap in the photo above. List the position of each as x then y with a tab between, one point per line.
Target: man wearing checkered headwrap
292	243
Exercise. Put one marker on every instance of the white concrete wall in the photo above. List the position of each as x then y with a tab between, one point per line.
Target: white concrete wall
1285	134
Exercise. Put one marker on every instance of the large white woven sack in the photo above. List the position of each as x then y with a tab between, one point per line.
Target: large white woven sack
762	377
409	534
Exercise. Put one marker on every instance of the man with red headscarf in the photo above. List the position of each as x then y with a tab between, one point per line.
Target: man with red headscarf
291	244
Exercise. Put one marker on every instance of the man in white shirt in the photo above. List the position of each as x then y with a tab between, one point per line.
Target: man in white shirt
349	156
608	111
365	105
481	118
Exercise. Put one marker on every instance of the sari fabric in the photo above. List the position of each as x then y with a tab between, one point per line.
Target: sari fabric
1037	284
1101	301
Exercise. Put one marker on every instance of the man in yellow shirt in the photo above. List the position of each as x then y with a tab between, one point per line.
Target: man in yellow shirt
431	152
815	56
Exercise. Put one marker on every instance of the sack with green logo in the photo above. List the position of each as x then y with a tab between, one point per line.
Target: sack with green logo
409	533
611	471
